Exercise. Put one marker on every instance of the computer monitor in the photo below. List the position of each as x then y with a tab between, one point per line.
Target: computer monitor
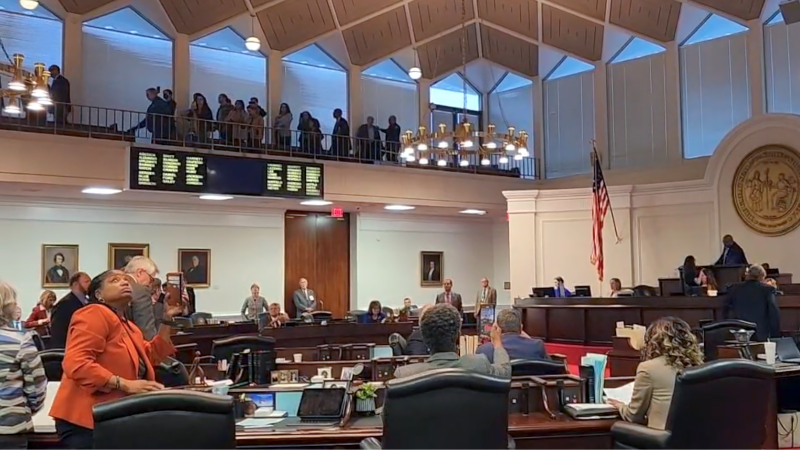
326	403
544	292
583	291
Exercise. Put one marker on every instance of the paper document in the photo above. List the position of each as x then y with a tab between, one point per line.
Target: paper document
258	423
621	394
42	422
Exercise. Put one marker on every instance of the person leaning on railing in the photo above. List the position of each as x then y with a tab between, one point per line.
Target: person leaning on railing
158	119
236	119
254	126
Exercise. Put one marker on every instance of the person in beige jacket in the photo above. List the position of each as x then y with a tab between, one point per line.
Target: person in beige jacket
670	346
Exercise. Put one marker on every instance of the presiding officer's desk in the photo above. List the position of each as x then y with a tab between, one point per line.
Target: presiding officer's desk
592	321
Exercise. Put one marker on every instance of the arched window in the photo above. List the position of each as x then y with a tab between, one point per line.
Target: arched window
123	55
387	90
315	82
715	87
568	92
221	64
637	104
450	92
781	56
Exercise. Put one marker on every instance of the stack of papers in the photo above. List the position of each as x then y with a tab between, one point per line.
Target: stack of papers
598	363
256	423
634	333
621	394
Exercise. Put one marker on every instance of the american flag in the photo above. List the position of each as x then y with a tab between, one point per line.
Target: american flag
600	206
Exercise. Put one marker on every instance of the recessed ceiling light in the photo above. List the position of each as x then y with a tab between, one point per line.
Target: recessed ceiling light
101	191
316	203
399	207
215	197
477	212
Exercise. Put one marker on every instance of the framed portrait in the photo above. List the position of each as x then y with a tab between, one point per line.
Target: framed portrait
195	263
120	254
431	268
59	262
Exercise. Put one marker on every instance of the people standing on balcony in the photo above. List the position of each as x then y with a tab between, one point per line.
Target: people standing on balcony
392	132
60	95
158	118
261	112
170	98
203	115
309	133
282	123
369	140
341	135
255	127
225	108
236	119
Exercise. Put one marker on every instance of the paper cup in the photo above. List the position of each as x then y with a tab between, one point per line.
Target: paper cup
769	352
298	357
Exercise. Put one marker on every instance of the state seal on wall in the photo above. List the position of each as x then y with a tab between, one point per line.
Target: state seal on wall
766	190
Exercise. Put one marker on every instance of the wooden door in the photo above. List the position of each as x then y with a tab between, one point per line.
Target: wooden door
317	248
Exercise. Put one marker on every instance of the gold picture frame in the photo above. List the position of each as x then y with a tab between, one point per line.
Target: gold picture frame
431	268
120	254
195	264
59	262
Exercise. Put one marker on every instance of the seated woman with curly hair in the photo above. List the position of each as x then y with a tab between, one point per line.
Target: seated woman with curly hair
669	347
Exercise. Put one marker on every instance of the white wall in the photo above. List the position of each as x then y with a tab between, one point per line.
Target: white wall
388	257
245	248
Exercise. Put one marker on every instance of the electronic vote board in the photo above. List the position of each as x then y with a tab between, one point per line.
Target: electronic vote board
202	173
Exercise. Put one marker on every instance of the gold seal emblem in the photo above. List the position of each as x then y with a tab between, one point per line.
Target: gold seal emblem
765	190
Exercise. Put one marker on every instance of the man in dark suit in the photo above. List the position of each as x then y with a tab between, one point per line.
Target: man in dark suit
432	272
448	296
195	274
66	307
369	140
518	344
60	95
393	133
158	119
732	254
305	301
754	301
341	135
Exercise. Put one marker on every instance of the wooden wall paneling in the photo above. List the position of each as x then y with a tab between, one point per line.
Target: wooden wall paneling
299	251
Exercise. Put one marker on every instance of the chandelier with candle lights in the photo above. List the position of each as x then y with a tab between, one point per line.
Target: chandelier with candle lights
464	143
28	90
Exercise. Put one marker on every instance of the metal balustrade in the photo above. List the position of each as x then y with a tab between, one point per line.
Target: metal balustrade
181	131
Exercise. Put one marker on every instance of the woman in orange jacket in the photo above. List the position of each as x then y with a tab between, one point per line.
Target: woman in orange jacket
106	358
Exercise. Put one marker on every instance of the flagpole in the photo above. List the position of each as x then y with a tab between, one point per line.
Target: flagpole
610	208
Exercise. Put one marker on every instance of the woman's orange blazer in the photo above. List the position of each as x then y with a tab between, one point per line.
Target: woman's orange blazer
99	346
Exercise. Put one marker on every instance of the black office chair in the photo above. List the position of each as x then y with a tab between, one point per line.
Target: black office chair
166	419
528	367
356	315
201	318
397	343
172	373
38	341
183	322
321	316
645	291
51	360
432	410
716	333
225	348
722	404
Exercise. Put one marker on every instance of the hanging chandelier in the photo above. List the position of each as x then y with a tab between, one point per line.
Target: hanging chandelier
465	143
30	88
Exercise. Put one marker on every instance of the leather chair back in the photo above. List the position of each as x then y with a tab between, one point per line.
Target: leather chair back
226	347
172	373
645	291
355	315
528	367
201	318
446	408
320	316
51	360
166	419
716	333
38	341
722	404
183	322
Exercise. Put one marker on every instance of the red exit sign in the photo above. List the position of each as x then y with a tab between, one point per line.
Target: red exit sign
337	213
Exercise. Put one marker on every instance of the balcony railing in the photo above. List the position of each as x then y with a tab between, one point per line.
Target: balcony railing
182	131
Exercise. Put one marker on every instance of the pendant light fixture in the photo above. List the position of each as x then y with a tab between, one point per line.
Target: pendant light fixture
415	73
29	4
253	43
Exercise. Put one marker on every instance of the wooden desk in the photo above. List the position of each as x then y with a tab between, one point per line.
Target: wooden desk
536	430
592	321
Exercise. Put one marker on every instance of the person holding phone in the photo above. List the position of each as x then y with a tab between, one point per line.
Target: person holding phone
106	357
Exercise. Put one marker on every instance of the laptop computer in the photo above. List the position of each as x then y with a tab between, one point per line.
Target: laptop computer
787	350
321	407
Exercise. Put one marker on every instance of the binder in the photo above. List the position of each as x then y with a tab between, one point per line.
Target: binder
587	379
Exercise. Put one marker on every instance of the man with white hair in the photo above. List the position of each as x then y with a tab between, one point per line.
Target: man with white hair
754	301
143	271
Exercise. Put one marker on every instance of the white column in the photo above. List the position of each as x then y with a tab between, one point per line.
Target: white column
673	105
600	113
755	67
354	110
275	73
537	134
485	113
424	99
73	56
181	71
522	241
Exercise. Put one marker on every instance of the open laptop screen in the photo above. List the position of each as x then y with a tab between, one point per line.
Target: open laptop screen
321	402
